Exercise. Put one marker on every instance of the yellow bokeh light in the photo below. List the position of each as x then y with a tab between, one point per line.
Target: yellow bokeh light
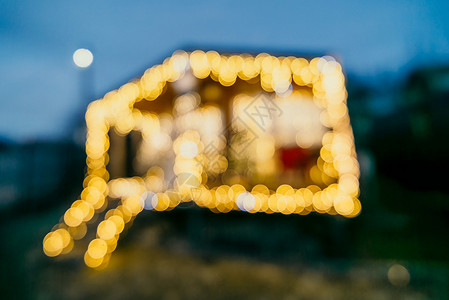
106	229
118	221
92	262
53	244
73	216
97	248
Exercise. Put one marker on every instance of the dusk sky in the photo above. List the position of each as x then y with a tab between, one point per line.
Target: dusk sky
40	85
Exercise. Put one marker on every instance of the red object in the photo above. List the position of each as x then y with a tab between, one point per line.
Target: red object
292	158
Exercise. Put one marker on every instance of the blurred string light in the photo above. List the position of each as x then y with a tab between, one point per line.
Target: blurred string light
83	58
337	166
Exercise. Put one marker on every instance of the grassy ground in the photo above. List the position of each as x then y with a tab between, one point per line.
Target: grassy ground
158	260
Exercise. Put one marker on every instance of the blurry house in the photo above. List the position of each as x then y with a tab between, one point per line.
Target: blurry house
228	132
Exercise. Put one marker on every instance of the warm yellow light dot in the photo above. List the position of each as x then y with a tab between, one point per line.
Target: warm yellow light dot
92	262
107	230
291	204
260	188
73	216
281	203
284	189
98	183
119	223
97	248
163	202
53	244
65	236
86	208
93	196
273	203
306	195
133	204
344	205
83	58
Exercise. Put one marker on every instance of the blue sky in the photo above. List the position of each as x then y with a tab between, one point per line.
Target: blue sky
39	84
